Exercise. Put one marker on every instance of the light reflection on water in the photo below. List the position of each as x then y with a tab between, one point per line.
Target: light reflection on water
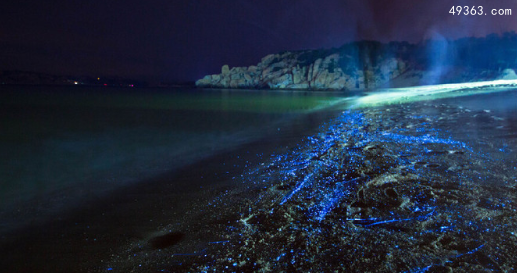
90	140
451	139
405	187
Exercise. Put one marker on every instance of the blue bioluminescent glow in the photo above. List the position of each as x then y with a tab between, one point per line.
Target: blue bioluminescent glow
377	185
332	198
351	132
298	187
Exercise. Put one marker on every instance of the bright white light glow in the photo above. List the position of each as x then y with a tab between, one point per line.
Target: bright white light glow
409	94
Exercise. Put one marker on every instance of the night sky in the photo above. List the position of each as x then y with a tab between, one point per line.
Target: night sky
182	40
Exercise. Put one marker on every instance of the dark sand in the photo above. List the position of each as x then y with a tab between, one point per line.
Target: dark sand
422	187
94	231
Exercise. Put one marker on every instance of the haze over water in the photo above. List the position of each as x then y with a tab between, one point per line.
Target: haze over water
75	142
87	147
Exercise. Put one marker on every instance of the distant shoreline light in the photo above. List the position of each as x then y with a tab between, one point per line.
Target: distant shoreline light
408	94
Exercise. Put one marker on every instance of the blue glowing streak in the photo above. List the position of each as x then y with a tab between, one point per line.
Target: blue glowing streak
352	132
298	188
219	242
389	221
425	269
332	198
421	140
471	252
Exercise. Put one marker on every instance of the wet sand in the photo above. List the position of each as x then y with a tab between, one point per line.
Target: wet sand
420	187
81	239
87	236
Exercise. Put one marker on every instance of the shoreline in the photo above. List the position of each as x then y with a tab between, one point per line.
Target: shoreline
82	237
426	92
41	203
276	193
90	233
404	194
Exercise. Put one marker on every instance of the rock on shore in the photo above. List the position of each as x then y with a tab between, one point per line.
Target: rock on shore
371	64
312	70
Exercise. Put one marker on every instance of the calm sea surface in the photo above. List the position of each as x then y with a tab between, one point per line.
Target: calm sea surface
77	141
86	172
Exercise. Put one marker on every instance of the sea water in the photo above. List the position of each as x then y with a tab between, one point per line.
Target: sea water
122	137
71	143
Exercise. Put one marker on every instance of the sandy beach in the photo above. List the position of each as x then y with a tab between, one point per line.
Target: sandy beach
408	188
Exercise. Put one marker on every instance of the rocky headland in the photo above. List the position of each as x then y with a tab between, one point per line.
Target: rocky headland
370	64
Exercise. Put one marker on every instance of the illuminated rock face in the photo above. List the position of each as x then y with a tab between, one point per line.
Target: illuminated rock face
370	64
292	70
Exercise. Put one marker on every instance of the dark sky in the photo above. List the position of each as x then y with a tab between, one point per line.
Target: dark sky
178	40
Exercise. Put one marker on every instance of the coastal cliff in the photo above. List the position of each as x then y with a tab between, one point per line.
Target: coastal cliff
371	64
355	66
